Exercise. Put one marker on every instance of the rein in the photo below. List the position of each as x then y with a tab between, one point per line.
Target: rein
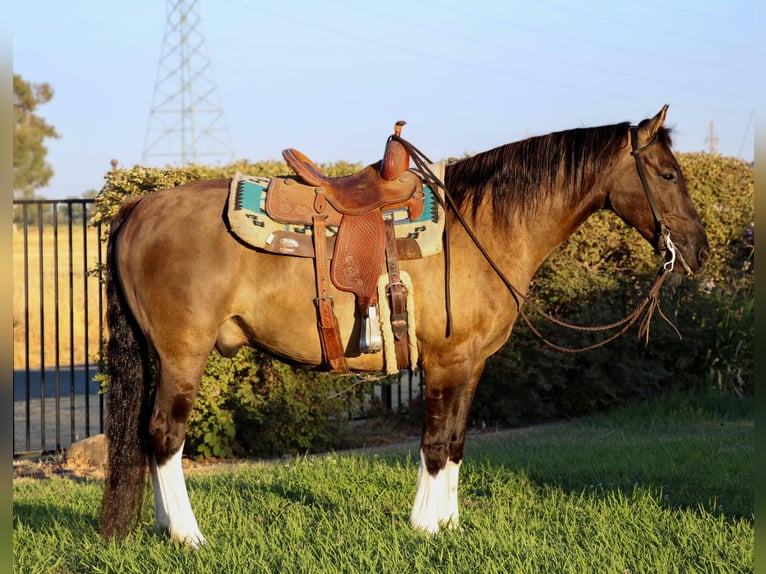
651	300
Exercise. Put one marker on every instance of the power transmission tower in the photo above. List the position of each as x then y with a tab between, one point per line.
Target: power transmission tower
712	140
186	123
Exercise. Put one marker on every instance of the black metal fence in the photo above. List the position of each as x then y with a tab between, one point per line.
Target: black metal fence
57	325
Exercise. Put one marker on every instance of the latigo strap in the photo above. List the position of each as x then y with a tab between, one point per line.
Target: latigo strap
329	331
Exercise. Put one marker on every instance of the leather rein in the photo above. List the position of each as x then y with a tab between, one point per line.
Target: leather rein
651	300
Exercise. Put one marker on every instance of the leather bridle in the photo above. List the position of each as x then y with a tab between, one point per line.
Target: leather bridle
661	231
659	227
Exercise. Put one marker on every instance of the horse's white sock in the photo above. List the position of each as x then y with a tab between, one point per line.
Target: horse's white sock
436	498
172	507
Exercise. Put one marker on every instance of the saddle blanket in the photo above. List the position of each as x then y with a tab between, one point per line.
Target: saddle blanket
249	221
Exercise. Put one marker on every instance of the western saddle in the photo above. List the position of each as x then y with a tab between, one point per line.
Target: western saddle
361	206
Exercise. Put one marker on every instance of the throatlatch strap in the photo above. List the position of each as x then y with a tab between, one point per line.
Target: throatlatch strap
329	331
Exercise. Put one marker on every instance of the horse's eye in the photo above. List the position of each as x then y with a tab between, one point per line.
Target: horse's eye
669	177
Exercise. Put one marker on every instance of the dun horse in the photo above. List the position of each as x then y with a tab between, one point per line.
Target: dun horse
179	284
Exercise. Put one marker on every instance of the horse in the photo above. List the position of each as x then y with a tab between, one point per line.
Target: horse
179	285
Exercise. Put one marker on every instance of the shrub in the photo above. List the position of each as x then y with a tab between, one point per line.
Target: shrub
253	405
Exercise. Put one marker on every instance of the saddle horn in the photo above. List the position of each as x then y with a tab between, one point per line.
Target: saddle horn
395	160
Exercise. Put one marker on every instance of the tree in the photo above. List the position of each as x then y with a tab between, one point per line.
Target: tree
30	170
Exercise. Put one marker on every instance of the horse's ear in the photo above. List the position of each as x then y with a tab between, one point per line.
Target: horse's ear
649	128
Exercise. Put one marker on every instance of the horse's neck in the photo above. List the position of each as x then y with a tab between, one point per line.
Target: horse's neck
522	244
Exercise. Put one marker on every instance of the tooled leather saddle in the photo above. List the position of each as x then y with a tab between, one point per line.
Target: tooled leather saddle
359	205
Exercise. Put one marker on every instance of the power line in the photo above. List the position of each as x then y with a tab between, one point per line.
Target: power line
422	50
747	130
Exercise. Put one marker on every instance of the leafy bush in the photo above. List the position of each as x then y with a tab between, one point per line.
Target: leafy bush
255	405
123	183
598	276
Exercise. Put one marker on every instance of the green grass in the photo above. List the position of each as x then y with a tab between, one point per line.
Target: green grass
665	487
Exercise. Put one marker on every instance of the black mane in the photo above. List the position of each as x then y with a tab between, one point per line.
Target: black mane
521	175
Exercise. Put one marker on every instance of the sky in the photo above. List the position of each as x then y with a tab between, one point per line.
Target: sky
332	77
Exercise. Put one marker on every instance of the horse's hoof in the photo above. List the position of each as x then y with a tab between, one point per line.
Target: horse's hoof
193	539
427	528
451	524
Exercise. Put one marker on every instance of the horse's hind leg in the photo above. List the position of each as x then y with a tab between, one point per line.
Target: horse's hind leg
449	393
177	388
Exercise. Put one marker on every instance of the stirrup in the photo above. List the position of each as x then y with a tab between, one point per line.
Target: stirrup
371	340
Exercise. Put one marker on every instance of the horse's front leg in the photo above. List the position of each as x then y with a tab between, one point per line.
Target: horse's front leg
448	399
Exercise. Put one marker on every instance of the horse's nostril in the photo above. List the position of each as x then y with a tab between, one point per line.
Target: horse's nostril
703	256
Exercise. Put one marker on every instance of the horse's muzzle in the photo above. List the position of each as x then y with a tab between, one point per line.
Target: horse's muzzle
691	261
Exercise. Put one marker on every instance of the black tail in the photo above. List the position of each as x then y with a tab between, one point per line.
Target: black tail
127	404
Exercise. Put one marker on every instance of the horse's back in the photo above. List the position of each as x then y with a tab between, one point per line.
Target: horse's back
200	203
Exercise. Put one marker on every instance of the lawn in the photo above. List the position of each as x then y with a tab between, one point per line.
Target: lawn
660	487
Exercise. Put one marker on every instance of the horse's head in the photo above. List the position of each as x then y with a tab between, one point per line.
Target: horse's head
650	194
